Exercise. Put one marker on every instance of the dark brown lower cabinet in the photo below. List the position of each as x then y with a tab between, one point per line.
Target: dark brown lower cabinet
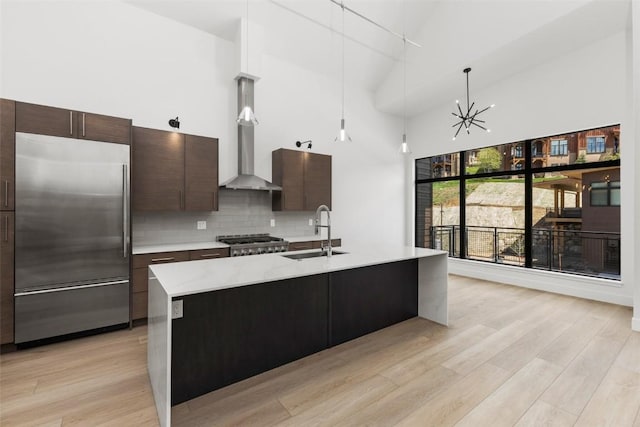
208	254
140	278
6	276
229	335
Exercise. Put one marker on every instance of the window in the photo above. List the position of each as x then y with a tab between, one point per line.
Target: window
542	211
595	144
558	147
517	151
605	193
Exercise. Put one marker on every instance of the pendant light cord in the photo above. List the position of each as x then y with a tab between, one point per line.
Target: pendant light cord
467	73
247	31
404	71
342	4
404	106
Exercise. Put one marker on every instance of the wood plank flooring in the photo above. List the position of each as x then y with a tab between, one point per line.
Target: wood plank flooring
511	357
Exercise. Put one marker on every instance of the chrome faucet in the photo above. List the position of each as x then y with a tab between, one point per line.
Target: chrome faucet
319	225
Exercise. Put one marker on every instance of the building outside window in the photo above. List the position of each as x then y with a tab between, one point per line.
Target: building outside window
517	151
605	193
559	147
595	144
562	216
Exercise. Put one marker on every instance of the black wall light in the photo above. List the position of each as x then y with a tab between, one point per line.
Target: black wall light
174	123
299	144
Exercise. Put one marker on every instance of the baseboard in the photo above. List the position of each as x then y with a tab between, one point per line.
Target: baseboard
635	324
592	288
8	348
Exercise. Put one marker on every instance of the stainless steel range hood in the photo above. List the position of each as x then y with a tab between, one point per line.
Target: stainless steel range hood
246	179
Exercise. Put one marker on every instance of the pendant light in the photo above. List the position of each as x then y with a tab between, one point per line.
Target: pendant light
404	147
467	118
342	134
246	116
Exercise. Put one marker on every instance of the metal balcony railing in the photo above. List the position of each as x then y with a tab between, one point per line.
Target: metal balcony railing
579	252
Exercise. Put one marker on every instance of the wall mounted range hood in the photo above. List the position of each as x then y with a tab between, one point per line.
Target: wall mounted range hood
246	179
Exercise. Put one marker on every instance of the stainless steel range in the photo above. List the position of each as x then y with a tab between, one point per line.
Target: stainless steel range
253	244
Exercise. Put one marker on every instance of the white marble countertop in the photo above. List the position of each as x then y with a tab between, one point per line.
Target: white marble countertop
194	246
191	277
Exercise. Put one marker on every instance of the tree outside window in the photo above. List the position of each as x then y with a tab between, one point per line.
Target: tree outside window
489	159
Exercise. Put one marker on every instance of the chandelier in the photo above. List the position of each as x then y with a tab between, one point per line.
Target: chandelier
467	119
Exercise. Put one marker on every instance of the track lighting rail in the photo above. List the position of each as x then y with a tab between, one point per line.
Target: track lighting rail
371	21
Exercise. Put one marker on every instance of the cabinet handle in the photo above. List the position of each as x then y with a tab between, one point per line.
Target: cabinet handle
213	197
284	201
125	225
162	259
70	122
83	133
181	199
6	193
6	228
209	255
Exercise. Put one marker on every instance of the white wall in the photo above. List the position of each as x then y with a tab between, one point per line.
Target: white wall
631	217
576	91
585	89
113	58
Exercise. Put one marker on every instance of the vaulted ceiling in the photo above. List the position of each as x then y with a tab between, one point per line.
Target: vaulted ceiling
497	38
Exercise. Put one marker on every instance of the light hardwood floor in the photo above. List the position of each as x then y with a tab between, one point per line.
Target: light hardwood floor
511	356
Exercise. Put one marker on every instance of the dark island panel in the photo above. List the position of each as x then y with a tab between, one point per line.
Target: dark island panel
229	335
367	299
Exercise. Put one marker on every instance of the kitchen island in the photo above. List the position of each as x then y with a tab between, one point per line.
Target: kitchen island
215	322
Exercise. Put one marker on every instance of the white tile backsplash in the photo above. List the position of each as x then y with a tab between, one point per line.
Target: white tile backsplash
240	212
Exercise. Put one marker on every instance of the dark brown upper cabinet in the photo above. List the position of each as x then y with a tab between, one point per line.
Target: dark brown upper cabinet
7	154
174	171
305	179
201	173
44	120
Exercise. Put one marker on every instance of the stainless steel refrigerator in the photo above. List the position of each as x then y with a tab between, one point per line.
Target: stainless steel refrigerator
71	237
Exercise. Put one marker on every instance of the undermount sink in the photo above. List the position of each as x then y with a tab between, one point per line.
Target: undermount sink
305	255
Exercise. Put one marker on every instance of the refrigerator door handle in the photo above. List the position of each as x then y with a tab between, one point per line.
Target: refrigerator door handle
70	288
125	224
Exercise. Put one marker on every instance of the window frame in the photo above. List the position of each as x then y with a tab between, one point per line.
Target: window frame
604	144
607	189
565	147
528	172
